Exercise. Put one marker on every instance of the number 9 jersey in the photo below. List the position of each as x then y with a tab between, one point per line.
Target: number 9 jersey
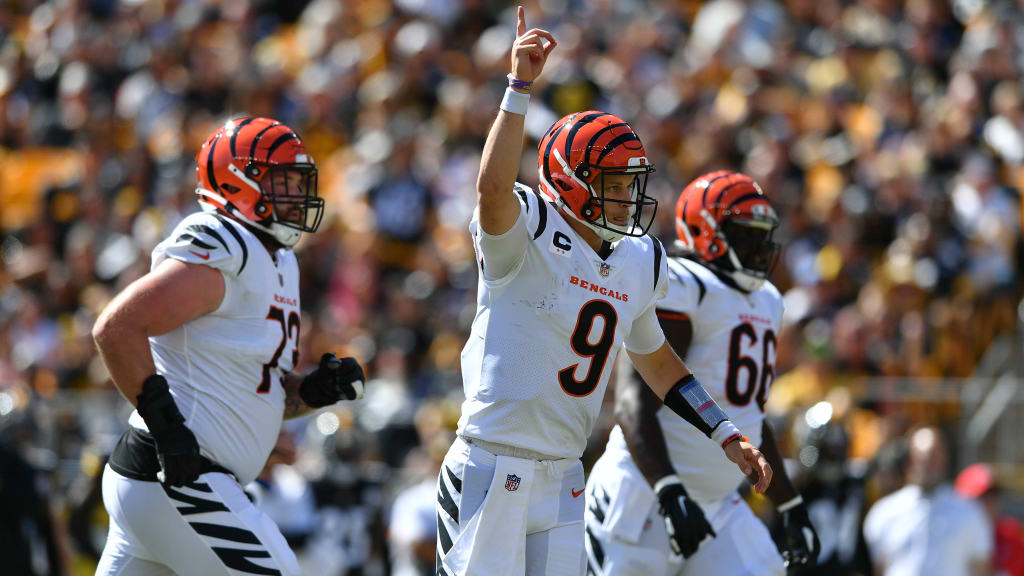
732	353
548	327
225	368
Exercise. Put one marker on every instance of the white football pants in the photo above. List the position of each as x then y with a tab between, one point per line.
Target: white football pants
626	534
505	515
208	527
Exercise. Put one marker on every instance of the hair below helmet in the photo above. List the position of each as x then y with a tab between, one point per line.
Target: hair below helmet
576	158
258	171
725	220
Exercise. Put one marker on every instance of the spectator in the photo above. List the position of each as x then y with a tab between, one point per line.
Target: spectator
978	482
924	527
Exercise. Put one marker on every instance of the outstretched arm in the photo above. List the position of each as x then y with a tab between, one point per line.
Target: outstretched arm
499	164
669	378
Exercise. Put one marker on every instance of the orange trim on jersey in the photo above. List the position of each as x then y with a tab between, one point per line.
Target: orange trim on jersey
677	316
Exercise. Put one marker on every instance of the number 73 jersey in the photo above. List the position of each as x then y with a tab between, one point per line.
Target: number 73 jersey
225	368
546	334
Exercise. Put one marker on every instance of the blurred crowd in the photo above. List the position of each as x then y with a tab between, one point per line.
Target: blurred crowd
889	136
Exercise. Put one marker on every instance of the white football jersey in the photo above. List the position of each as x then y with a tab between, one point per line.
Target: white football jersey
732	354
546	335
225	368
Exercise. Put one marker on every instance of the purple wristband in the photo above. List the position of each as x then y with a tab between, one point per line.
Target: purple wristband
514	82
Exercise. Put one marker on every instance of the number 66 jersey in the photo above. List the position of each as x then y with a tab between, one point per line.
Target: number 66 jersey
225	368
548	328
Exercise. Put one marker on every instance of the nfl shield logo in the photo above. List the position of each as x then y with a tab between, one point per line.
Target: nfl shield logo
512	482
605	269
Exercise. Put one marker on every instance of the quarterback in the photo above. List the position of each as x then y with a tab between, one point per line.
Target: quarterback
566	277
722	316
204	346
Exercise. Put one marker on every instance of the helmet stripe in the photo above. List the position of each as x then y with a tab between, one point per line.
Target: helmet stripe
704	195
716	204
280	140
256	140
547	153
577	126
234	135
618	141
209	165
744	198
593	141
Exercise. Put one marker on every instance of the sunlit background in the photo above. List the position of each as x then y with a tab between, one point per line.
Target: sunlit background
888	134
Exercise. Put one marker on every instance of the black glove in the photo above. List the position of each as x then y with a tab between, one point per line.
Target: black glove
684	520
335	379
801	546
176	445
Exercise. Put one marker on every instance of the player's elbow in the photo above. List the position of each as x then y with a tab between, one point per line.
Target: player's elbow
109	327
627	414
103	329
486	188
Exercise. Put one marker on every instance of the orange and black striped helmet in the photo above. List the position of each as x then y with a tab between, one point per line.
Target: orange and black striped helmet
724	219
258	171
577	153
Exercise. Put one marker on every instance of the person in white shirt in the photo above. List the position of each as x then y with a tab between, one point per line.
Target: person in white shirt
566	277
205	347
925	528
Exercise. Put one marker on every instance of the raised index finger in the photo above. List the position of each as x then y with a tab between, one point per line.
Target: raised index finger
520	21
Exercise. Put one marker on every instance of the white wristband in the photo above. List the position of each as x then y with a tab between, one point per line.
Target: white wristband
515	102
724	431
790	504
667	480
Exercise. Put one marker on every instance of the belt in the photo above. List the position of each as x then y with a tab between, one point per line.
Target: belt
134	457
506	450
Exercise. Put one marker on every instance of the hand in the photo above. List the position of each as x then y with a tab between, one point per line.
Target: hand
178	453
335	379
176	445
684	520
528	51
801	546
751	462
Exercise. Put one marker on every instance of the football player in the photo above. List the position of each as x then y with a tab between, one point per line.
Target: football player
566	276
204	346
723	316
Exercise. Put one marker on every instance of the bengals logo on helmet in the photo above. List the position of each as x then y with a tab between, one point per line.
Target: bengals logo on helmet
724	219
258	171
580	157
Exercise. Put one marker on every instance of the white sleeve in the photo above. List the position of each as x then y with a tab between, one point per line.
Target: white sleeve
203	238
873	529
980	532
646	335
500	255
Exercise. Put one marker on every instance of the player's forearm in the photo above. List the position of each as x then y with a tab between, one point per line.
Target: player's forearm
781	490
499	167
636	413
293	404
124	347
669	378
660	370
